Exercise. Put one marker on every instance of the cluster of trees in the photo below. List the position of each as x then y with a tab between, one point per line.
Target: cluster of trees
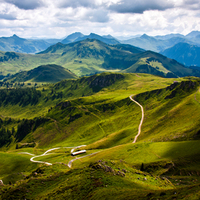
25	126
54	95
28	125
19	96
13	84
5	133
5	136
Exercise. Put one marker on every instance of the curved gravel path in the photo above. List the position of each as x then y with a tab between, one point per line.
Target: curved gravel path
44	154
142	119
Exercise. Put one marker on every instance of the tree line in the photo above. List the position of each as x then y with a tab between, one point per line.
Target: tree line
19	96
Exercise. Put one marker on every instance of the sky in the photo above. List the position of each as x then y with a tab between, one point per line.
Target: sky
59	18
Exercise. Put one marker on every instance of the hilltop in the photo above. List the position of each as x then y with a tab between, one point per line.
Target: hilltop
44	73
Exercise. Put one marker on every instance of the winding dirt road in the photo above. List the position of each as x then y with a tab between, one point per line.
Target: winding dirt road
73	148
44	154
141	121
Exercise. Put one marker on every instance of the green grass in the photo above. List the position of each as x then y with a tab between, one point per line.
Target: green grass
149	152
15	166
167	119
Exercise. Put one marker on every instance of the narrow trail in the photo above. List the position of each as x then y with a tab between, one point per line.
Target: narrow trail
44	154
71	161
141	121
77	148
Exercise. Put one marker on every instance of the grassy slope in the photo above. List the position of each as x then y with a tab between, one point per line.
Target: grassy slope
113	123
14	166
171	114
151	62
131	84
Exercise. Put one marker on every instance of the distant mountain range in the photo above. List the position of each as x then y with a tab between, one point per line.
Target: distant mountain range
93	56
17	44
152	43
160	43
89	54
75	37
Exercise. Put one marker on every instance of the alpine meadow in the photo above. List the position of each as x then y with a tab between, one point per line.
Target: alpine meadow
86	116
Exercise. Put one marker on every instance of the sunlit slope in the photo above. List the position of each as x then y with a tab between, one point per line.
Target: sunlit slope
30	102
171	113
15	166
96	111
68	115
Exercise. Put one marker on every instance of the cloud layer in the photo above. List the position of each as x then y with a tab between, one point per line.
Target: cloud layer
139	6
26	4
50	18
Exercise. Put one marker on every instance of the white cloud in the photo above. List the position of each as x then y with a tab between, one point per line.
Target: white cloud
117	17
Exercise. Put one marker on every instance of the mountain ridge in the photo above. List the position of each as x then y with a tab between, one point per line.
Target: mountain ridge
184	53
91	56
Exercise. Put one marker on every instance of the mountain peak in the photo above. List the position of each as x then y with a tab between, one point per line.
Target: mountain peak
193	34
15	36
93	34
145	36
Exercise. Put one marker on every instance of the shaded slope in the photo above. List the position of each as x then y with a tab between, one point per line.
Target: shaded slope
44	73
184	53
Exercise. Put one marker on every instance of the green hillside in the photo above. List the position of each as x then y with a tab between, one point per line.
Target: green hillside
96	111
154	63
44	73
